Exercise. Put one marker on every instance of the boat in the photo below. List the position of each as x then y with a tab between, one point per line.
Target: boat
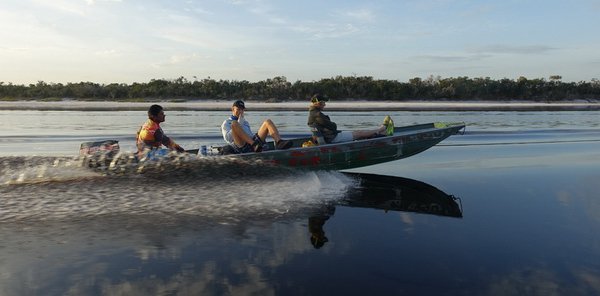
404	142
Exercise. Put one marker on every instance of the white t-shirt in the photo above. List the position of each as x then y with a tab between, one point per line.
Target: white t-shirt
226	129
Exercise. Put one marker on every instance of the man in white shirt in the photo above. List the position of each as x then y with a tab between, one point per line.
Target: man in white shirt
237	133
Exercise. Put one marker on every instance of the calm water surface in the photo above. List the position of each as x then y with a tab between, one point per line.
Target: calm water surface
512	207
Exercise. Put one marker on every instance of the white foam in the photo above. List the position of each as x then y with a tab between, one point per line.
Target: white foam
69	191
58	171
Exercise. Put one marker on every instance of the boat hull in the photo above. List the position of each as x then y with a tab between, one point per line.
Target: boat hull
405	142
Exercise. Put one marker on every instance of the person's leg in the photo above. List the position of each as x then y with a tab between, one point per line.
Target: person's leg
268	128
239	136
343	136
366	134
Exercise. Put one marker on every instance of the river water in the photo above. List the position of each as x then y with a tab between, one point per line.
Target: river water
510	207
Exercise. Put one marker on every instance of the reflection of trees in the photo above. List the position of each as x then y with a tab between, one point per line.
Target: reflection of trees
341	87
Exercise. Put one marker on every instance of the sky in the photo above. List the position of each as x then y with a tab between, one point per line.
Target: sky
126	41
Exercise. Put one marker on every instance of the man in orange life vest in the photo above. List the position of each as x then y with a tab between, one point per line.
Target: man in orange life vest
151	136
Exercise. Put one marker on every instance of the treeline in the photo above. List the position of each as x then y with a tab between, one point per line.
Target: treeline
340	87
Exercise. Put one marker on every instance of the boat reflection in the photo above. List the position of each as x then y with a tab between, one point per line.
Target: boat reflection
391	193
387	193
192	243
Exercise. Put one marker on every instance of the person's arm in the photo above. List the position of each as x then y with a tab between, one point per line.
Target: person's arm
168	142
226	131
324	121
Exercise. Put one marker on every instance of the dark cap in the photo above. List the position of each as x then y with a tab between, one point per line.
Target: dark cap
319	98
239	104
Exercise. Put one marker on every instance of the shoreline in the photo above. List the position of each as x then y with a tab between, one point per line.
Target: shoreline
347	105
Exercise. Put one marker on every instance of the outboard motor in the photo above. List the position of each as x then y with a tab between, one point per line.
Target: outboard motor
99	153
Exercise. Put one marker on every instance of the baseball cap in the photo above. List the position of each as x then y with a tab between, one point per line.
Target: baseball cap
239	104
319	98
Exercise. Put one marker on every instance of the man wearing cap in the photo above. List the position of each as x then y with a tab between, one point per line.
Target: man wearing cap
328	128
237	133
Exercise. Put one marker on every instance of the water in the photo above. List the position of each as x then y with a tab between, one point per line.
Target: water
511	207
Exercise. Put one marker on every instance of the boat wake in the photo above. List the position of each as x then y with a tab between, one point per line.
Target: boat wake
220	190
523	137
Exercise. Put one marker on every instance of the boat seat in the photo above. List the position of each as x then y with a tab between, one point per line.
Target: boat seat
317	135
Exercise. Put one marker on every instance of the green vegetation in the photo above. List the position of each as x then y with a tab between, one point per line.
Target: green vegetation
9	99
340	87
51	99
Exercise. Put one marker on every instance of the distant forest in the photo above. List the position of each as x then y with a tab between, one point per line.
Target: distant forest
340	87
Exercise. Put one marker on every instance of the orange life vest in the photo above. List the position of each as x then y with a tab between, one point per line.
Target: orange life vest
146	138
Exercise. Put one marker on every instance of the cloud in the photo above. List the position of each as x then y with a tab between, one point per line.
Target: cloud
14	49
508	49
27	31
323	31
479	11
198	38
541	280
452	58
266	12
92	2
178	59
203	11
363	15
69	7
238	2
107	52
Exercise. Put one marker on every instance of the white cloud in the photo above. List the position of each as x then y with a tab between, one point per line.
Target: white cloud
26	31
69	7
323	31
238	2
452	58
363	15
38	35
201	11
194	37
268	13
479	11
178	59
92	2
117	1
107	52
511	49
